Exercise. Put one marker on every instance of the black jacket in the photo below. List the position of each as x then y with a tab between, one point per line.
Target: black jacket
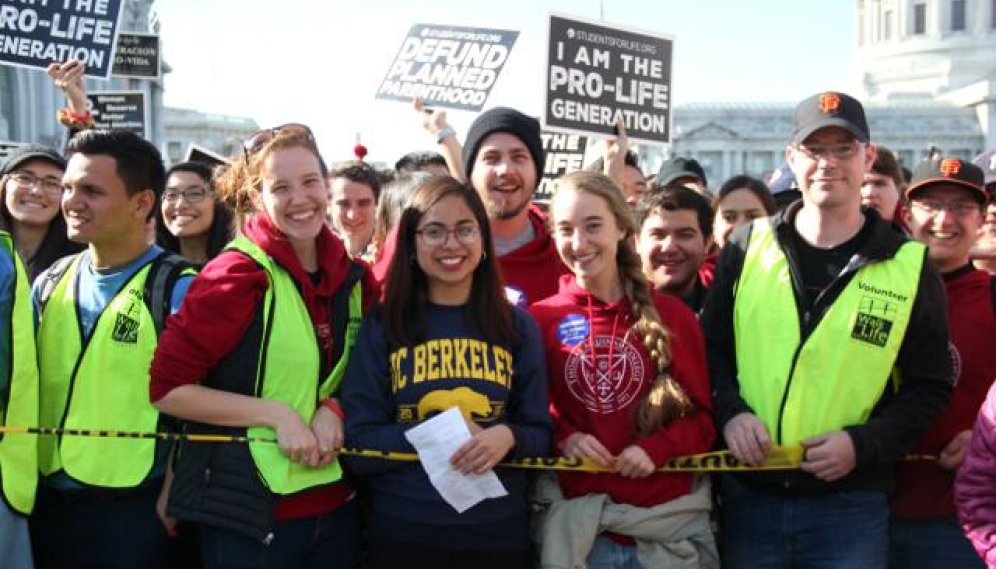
899	417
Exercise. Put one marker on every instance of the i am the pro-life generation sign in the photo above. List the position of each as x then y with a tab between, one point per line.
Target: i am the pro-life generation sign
599	74
35	33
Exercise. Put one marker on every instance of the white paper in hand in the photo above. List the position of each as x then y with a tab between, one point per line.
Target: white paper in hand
435	441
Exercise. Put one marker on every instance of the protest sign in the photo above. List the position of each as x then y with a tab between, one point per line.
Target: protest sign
36	33
137	56
197	153
598	74
564	154
449	67
124	110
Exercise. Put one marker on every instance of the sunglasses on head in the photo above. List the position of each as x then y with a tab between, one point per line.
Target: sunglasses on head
257	140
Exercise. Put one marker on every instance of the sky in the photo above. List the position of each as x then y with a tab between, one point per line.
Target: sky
320	62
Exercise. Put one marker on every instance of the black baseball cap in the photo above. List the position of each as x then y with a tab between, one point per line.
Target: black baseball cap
831	108
950	172
28	152
679	167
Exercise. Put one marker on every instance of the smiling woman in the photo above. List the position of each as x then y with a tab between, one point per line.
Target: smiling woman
263	337
628	389
194	223
443	324
31	188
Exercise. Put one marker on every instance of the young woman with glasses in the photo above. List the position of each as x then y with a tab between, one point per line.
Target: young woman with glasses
445	336
629	389
31	207
195	224
258	349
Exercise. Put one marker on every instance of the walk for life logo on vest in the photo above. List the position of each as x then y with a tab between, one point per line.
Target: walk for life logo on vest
877	309
126	318
608	380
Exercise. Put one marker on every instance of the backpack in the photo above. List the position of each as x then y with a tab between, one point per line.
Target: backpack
164	270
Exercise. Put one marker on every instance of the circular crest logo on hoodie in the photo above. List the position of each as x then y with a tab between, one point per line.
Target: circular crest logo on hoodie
608	380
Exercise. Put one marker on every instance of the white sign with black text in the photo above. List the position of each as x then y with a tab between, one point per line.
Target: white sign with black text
599	75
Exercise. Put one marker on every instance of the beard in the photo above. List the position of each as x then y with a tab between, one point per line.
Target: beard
502	209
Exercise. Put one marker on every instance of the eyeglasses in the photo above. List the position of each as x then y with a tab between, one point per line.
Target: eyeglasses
258	139
193	194
934	207
51	186
436	234
835	151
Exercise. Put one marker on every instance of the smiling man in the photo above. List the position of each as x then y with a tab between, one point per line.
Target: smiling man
675	235
947	199
810	314
503	160
354	189
99	317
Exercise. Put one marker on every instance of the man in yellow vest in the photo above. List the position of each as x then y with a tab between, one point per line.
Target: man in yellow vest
99	313
826	330
18	408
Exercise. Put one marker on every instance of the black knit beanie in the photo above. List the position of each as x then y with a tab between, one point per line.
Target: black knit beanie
503	119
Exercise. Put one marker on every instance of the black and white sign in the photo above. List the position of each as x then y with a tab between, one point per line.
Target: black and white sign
137	56
564	154
449	67
197	153
123	110
34	33
598	74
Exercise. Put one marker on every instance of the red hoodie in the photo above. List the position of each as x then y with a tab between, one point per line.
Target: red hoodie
531	271
218	309
599	371
923	489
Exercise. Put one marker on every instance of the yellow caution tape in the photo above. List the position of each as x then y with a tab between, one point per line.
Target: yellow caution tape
777	458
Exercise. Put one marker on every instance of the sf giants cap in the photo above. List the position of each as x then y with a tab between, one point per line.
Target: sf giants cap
952	172
829	109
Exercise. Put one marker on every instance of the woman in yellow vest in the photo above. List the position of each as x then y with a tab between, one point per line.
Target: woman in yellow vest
18	407
258	349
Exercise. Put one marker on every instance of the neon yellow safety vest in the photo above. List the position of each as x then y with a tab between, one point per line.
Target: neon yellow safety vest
100	382
289	366
840	371
19	453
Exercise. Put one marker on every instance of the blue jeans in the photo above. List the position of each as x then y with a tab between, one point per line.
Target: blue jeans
928	544
328	542
15	546
836	530
607	554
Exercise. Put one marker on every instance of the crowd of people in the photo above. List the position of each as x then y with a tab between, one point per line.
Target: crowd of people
273	311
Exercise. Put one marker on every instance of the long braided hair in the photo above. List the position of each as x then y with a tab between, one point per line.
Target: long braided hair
666	400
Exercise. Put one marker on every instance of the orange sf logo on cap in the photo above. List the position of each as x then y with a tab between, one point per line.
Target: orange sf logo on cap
829	102
950	167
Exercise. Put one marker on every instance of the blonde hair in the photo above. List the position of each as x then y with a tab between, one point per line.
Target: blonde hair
666	400
239	183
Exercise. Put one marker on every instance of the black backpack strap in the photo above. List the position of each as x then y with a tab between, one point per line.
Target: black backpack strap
51	278
340	309
166	269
